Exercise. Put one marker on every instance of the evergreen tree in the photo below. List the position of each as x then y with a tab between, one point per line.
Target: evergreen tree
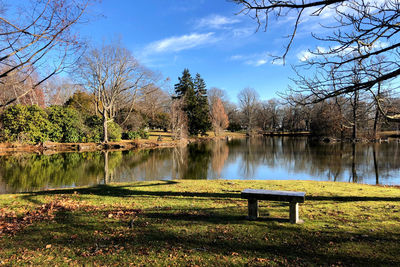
191	109
195	102
185	84
203	122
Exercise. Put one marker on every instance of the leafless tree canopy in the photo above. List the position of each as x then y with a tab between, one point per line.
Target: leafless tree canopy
37	37
248	101
116	79
358	32
219	119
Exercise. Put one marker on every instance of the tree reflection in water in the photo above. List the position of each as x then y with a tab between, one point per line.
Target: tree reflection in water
251	158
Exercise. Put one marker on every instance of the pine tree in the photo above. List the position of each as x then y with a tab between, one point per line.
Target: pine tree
195	102
203	121
191	109
185	84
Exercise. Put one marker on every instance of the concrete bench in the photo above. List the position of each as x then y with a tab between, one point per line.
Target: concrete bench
294	198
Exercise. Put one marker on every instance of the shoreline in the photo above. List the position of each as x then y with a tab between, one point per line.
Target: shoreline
123	145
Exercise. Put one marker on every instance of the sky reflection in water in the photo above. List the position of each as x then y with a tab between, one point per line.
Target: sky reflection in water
269	158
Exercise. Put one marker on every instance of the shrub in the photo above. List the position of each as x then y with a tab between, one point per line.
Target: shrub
95	133
27	124
67	125
234	127
131	135
94	129
114	131
143	134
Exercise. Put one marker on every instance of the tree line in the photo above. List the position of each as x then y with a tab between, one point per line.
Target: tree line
118	98
351	94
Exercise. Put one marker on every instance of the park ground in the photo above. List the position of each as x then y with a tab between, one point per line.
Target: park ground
200	223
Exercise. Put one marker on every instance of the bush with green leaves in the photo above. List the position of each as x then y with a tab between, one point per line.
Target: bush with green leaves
32	124
144	134
132	135
114	131
25	124
67	124
94	129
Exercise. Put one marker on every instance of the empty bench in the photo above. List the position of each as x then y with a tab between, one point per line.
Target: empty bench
294	198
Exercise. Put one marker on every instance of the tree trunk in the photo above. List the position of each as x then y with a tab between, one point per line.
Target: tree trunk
353	165
355	107
106	170
105	128
377	113
376	167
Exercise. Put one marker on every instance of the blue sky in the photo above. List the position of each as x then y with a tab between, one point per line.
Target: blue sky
203	35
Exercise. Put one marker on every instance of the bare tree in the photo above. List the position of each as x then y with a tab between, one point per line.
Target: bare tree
268	115
358	31
116	80
58	90
37	37
11	87
179	121
154	106
248	100
219	119
215	93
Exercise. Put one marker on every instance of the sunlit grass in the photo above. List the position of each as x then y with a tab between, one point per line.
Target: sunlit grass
166	136
203	223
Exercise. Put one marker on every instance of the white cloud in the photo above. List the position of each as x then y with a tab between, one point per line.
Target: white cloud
216	22
258	63
256	60
338	50
305	55
278	61
243	32
237	57
179	43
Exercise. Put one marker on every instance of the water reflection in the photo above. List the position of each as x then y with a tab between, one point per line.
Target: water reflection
254	158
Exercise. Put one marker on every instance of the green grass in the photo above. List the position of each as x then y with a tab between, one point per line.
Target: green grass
202	223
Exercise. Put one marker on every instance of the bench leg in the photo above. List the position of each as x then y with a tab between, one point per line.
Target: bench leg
253	209
294	212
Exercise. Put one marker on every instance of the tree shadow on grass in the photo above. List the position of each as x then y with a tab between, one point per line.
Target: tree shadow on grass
129	191
210	217
350	198
154	232
126	191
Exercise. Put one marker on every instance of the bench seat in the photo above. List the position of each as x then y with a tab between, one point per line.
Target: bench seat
294	198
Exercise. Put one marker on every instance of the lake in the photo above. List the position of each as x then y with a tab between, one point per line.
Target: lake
263	158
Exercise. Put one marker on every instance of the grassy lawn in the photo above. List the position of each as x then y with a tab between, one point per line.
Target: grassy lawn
200	223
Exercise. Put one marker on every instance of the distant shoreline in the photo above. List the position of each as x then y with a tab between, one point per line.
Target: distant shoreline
53	147
167	141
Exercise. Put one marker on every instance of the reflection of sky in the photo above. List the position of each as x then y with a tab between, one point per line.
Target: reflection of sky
237	169
279	166
263	159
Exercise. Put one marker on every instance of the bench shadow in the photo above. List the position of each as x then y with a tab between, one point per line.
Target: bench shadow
212	218
210	215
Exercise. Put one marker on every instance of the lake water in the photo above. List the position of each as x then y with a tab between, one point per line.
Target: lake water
264	158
